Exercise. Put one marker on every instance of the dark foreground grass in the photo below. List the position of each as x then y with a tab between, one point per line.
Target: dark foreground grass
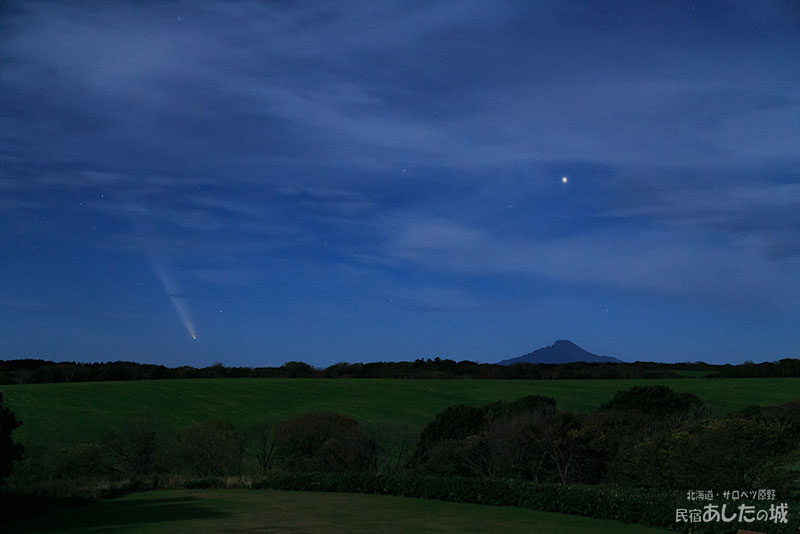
195	511
84	411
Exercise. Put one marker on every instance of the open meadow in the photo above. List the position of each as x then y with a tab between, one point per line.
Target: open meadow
71	412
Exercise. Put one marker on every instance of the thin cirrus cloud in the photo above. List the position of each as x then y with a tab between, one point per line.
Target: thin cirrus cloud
651	263
136	89
208	86
764	215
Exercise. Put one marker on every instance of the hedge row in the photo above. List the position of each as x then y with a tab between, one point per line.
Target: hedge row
645	507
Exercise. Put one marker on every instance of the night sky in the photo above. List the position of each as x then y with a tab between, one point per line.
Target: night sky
384	180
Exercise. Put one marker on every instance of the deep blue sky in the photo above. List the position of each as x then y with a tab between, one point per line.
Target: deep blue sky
383	180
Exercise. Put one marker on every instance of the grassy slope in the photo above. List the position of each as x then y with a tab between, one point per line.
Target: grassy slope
194	511
69	412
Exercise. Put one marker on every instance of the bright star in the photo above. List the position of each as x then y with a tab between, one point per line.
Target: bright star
563	179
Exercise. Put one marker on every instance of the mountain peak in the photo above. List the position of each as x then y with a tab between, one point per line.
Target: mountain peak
564	343
561	351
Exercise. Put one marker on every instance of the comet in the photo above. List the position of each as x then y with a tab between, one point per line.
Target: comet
174	295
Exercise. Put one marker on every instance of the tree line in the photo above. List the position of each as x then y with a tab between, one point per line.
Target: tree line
32	371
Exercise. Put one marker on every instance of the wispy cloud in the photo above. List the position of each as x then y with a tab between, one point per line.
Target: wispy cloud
765	215
327	200
646	262
432	299
349	99
14	204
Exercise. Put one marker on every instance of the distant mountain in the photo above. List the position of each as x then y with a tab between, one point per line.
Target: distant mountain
562	351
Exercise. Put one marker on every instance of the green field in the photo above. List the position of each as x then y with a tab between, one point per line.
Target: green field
693	374
195	511
83	411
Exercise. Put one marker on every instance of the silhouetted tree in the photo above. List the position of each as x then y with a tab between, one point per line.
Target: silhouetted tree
394	442
453	423
326	441
262	443
133	451
212	448
298	370
9	451
728	452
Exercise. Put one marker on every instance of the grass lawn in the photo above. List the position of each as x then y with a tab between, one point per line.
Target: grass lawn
75	411
196	511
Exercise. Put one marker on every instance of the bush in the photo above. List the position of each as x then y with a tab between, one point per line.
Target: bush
526	438
136	450
726	453
654	401
787	415
212	448
9	451
327	442
453	423
529	404
605	433
82	461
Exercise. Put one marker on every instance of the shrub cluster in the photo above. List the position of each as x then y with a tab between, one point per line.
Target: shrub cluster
319	442
9	450
646	436
328	442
